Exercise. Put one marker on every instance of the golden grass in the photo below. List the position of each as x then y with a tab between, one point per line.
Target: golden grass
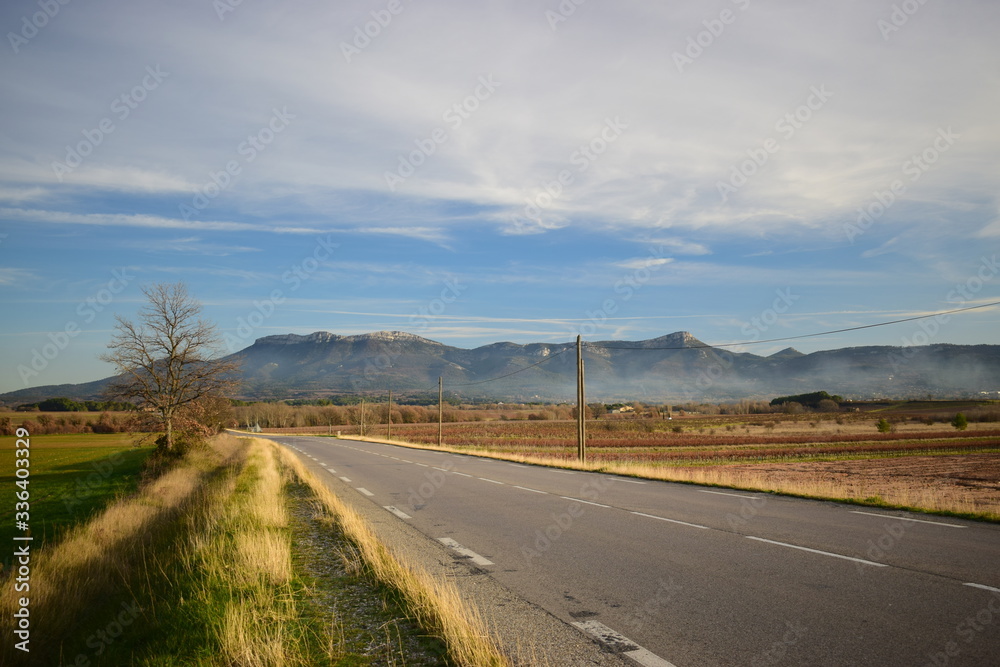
437	605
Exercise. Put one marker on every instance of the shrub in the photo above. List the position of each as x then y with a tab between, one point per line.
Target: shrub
960	422
884	426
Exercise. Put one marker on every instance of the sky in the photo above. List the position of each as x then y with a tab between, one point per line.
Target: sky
475	172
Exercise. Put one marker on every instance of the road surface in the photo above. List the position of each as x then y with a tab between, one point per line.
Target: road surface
670	574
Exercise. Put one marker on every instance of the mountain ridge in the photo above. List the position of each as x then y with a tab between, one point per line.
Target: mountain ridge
676	367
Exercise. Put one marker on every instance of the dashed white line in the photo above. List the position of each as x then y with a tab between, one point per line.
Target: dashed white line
492	481
441	469
618	643
462	474
524	488
985	588
817	551
365	491
660	518
398	512
627	481
585	502
731	495
906	518
344	479
467	553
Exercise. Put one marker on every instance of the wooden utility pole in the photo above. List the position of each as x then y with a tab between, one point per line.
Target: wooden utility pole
388	419
362	417
440	411
581	405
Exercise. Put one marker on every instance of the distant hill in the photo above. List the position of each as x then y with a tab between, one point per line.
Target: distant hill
676	367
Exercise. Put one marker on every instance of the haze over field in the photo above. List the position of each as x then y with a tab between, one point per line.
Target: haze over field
489	171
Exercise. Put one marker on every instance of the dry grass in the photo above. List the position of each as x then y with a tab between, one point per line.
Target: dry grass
437	605
881	493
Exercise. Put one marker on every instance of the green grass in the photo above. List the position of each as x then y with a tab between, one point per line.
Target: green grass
72	477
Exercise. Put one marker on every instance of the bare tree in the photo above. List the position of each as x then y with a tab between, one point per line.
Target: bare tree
167	360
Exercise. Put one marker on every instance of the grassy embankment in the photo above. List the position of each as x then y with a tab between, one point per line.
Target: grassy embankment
210	564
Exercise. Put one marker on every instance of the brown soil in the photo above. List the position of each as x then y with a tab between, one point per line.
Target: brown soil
960	481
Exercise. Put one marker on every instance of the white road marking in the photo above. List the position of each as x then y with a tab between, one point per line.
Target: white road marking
817	551
985	588
441	469
365	491
731	495
524	488
585	502
627	481
485	479
331	471
398	512
468	553
423	465
462	474
344	479
564	472
904	518
620	644
683	523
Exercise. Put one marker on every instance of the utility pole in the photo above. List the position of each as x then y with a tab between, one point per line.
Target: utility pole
581	405
362	417
440	410
388	419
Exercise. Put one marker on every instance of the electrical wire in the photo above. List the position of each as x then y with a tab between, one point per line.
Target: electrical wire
787	338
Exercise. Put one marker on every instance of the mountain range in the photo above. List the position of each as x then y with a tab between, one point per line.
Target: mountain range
676	367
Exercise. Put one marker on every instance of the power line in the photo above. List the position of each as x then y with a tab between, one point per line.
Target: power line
812	335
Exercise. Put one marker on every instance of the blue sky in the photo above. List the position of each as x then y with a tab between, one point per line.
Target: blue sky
483	171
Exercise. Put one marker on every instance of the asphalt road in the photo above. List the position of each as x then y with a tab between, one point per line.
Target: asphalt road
672	574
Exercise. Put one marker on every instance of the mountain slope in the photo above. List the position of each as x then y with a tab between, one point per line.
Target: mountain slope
676	367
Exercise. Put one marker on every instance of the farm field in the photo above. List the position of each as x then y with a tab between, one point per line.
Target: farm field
72	477
924	463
